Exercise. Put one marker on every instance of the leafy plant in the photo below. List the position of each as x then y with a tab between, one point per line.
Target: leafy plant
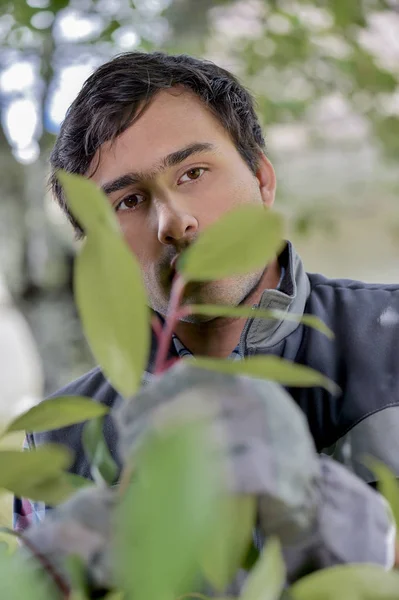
170	525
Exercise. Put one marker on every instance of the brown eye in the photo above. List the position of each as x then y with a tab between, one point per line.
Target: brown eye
130	202
192	174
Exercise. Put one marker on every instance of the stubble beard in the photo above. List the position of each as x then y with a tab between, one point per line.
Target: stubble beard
230	292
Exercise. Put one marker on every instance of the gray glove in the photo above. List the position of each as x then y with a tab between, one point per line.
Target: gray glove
322	513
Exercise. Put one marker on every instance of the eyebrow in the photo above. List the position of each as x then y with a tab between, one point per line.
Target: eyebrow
171	160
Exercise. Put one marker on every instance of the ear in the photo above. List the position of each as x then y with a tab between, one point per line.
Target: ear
267	180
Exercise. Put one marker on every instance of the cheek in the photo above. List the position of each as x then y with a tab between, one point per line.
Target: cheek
226	194
141	242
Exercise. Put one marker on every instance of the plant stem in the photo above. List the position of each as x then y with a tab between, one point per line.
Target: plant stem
171	320
157	326
59	581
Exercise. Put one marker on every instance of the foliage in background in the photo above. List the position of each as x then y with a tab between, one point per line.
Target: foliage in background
291	53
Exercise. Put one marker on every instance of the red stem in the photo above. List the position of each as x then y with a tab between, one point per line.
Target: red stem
157	326
170	323
59	581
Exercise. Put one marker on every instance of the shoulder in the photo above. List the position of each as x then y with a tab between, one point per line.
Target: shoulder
92	384
318	282
364	420
362	300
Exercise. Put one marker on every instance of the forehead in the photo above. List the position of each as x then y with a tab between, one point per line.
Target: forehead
174	119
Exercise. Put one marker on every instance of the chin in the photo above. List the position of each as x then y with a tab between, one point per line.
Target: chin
210	293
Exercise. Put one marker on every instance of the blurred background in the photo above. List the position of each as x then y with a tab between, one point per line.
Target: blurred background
326	78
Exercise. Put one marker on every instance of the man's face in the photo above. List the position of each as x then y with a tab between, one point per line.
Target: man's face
169	176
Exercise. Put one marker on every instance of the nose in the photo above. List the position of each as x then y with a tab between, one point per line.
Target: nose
176	227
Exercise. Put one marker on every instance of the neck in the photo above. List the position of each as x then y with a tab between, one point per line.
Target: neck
219	337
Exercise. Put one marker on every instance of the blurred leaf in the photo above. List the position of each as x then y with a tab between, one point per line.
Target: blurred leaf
387	485
56	5
110	30
355	582
88	203
22	12
243	240
8	540
20	578
231	538
188	18
102	464
251	557
112	304
57	412
109	292
77	481
52	490
348	13
35	474
272	368
267	579
77	574
218	310
365	74
387	129
166	515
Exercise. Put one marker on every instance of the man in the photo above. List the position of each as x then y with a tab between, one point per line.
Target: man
174	143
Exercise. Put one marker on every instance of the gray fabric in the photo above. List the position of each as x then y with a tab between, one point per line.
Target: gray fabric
354	525
261	334
376	436
323	514
262	425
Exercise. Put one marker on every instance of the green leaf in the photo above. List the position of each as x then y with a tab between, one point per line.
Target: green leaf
243	240
250	558
348	14
267	578
272	368
89	206
36	474
20	578
109	291
53	490
234	522
218	310
78	577
57	412
388	486
352	582
77	482
103	466
112	304
166	514
8	540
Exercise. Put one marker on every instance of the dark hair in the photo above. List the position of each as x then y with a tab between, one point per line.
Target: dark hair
117	93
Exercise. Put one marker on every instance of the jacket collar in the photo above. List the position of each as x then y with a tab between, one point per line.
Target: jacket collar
261	334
